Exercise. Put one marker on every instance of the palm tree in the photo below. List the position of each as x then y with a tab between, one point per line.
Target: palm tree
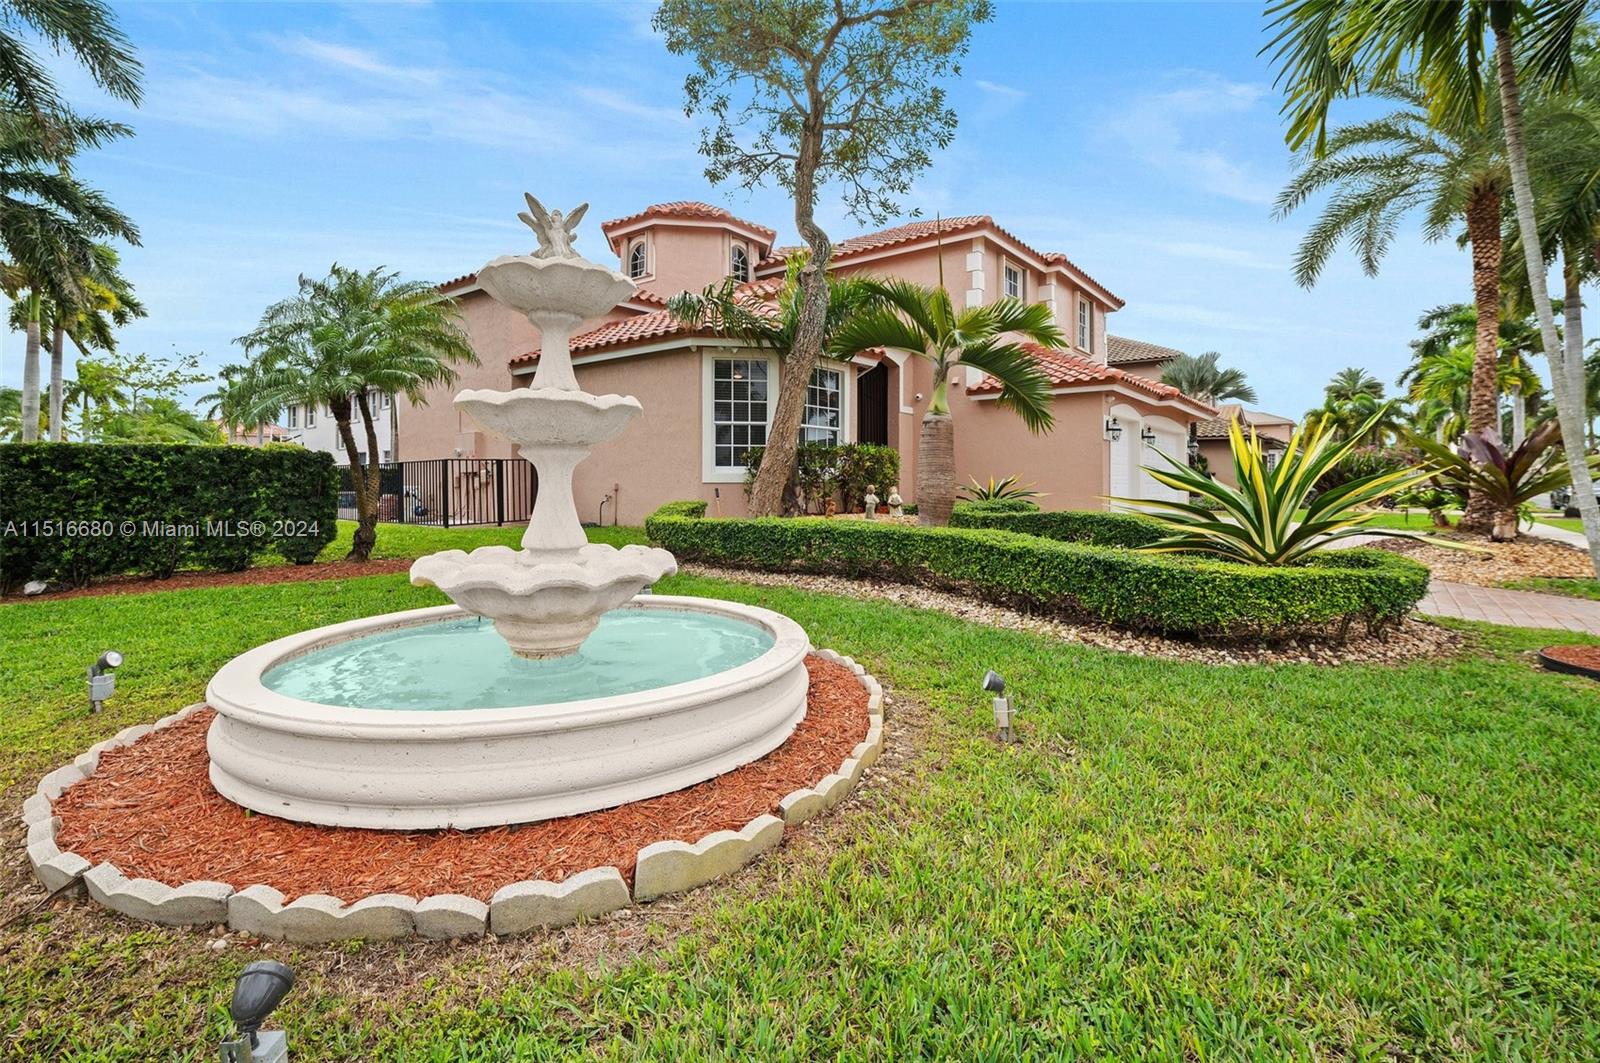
86	30
341	338
1327	49
1353	405
50	228
10	415
1441	385
232	403
922	321
1446	330
1201	377
1352	383
97	392
1409	161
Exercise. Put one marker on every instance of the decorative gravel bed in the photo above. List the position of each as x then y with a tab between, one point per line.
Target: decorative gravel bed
1412	639
1523	558
150	809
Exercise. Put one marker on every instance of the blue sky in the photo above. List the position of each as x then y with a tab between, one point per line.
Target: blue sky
1141	139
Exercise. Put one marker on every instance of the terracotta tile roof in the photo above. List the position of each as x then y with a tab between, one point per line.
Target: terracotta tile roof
1217	427
687	208
1067	370
648	328
1121	350
911	232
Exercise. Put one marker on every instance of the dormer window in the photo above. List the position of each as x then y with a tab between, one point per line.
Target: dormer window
1085	325
739	267
1013	281
638	261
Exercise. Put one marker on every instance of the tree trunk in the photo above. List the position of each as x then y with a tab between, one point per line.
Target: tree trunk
1483	403
58	354
936	468
1519	416
361	547
30	374
783	436
367	488
1569	402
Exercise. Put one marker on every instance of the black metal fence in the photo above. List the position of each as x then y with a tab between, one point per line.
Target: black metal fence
448	492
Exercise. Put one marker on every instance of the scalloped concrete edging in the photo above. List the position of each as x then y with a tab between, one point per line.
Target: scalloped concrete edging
664	867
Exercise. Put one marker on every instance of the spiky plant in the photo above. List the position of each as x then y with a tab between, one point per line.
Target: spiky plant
1509	479
1256	523
1006	488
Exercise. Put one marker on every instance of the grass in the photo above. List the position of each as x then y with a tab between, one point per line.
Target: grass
414	540
1572	588
1406	520
1572	524
1177	862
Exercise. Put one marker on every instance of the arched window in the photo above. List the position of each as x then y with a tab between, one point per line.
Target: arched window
638	264
740	266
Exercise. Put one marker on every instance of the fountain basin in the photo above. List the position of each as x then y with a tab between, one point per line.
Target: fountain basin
549	417
569	286
409	768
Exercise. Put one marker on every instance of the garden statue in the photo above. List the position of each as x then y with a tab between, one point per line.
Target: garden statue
896	502
830	507
871	502
555	231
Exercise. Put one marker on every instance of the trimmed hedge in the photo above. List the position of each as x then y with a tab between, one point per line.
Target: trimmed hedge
976	506
1067	525
1146	592
75	511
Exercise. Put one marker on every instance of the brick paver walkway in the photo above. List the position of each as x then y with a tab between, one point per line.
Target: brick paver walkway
1517	608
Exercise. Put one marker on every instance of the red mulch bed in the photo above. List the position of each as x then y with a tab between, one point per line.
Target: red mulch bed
1579	656
150	809
262	575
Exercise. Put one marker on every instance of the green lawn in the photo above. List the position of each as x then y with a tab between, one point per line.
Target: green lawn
1410	520
1569	523
414	540
1178	862
1572	588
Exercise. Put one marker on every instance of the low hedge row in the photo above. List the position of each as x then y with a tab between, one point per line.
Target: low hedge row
1146	592
977	506
1067	525
71	512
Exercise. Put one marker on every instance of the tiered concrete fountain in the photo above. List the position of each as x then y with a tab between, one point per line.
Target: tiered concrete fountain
430	718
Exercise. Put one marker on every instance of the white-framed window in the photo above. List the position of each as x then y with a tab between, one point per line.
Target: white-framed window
1012	282
311	416
294	416
338	441
739	264
739	411
823	417
1085	325
638	260
386	457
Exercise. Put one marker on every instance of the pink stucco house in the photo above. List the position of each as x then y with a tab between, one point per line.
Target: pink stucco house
707	397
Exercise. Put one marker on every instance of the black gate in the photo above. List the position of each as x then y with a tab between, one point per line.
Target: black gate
448	492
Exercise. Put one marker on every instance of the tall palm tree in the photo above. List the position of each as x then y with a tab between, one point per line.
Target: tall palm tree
51	225
1441	384
232	403
1327	49
1352	383
1201	377
909	317
84	29
1353	404
1453	172
342	337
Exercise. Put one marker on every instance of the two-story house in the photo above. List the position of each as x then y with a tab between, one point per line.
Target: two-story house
709	398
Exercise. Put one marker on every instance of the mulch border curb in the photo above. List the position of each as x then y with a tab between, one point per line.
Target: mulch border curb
662	868
1556	664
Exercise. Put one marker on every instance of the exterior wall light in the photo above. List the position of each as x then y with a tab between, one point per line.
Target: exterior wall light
1113	430
102	683
1149	436
1194	447
258	990
993	684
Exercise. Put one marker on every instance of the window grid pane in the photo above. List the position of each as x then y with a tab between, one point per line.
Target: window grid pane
820	423
739	409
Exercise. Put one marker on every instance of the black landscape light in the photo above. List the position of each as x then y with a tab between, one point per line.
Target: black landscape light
993	684
102	683
260	987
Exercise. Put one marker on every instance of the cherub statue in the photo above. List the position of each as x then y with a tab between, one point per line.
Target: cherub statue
555	231
871	501
896	503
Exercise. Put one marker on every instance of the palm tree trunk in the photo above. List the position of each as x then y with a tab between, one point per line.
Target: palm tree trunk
1519	416
367	487
936	468
1569	403
30	374
58	354
1483	403
361	546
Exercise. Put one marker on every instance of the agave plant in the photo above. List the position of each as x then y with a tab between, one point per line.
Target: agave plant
1256	523
1509	480
1007	488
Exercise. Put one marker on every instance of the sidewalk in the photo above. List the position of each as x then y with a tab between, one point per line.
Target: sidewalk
1495	605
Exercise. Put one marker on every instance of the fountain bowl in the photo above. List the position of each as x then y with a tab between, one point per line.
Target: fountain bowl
549	417
414	769
574	287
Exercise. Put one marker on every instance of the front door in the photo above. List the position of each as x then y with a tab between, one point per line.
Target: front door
872	405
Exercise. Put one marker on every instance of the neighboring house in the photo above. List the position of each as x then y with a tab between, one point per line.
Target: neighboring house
708	398
313	428
254	437
1215	448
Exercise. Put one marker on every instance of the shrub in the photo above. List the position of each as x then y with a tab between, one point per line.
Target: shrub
76	511
687	508
979	506
824	470
1154	592
1068	526
1010	487
861	464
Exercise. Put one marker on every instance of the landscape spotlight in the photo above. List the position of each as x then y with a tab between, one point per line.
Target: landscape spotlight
259	989
993	684
102	684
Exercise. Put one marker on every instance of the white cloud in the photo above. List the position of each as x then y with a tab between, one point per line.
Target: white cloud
621	103
1169	130
357	60
995	88
1211	317
1222	253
